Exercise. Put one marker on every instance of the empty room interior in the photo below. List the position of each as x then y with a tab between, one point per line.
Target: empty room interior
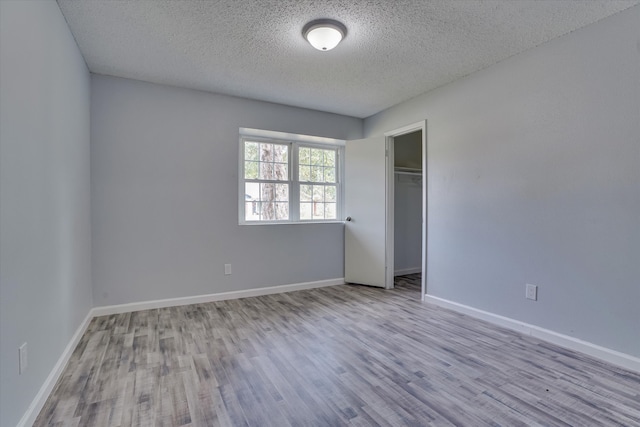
319	213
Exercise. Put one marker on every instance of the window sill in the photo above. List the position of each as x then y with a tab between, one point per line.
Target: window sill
293	223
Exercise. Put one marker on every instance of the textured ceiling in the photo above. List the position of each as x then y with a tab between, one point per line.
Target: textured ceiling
394	49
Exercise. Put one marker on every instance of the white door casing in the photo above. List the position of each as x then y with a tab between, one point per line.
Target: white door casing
418	126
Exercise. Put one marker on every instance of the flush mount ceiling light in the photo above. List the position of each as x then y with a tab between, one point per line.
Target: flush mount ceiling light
324	34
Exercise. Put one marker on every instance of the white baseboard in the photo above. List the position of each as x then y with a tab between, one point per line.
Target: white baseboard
38	402
172	302
403	271
608	355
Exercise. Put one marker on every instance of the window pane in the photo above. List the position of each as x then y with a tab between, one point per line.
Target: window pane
318	211
251	170
317	173
281	171
266	171
252	203
304	155
273	192
329	175
305	193
252	211
266	201
282	210
305	210
268	192
252	191
268	211
330	211
317	157
251	151
318	193
266	152
282	193
330	193
281	153
329	158
305	173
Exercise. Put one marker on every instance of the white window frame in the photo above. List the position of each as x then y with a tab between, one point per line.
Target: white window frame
294	141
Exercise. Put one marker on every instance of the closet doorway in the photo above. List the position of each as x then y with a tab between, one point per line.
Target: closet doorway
408	204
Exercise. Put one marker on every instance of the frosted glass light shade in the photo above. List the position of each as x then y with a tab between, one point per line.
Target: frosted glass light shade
324	34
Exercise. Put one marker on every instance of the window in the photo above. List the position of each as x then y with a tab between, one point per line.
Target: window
289	181
318	183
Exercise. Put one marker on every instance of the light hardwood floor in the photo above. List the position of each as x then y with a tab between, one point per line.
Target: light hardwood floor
342	355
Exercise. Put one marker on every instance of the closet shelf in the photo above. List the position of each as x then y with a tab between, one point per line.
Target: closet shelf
408	171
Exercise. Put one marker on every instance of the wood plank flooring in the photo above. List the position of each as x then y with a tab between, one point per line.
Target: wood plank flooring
338	356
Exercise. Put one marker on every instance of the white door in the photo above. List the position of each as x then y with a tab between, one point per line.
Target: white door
365	203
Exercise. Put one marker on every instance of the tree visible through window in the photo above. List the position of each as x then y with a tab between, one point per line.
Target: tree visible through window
267	166
288	181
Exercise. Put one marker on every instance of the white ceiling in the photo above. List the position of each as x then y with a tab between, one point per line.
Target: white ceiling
394	49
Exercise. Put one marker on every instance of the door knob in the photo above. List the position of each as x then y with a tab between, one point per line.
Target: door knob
348	218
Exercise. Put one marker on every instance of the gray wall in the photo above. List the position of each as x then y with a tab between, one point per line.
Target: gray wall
408	223
534	177
45	281
164	194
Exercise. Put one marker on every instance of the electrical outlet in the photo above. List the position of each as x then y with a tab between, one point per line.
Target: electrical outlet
22	358
227	269
532	292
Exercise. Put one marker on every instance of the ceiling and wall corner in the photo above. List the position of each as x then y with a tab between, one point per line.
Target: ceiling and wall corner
393	51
